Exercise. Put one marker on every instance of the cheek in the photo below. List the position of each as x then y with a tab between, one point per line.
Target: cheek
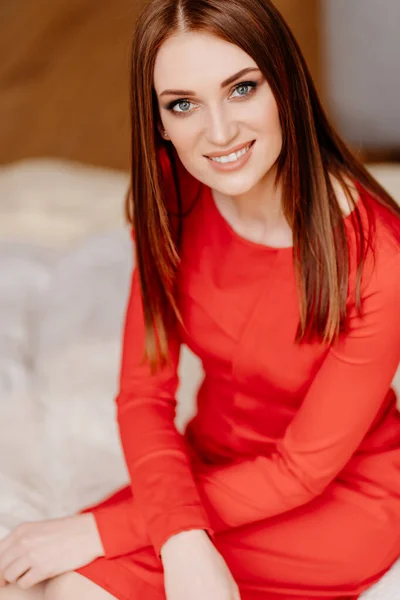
266	118
184	147
182	133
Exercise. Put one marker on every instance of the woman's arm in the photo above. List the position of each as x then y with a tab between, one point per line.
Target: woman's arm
338	410
336	414
162	481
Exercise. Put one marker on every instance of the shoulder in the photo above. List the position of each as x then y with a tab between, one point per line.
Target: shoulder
381	234
381	272
386	225
383	227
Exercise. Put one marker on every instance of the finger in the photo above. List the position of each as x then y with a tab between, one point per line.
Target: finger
16	569
13	552
5	543
12	545
30	578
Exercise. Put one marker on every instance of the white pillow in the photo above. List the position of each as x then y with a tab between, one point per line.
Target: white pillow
79	319
24	272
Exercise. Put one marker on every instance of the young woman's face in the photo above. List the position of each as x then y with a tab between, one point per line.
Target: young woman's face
204	117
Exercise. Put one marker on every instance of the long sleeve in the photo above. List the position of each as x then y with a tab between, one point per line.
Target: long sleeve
162	482
337	412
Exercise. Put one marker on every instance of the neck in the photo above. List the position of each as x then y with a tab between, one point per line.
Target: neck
257	215
259	209
262	204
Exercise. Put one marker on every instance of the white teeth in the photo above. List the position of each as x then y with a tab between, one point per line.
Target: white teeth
231	157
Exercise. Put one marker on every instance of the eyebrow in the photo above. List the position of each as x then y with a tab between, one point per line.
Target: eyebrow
224	84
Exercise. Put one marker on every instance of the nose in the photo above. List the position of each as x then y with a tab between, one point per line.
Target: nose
221	128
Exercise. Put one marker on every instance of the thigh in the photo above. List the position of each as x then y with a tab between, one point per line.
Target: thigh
332	543
13	592
335	543
70	586
129	577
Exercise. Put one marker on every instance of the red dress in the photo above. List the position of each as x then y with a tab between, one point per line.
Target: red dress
292	461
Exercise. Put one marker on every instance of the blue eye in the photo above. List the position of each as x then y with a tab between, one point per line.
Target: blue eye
250	85
178	103
242	85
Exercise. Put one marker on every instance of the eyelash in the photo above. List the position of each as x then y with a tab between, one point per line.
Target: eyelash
250	84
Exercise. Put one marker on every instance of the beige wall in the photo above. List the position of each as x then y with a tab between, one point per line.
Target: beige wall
362	51
64	76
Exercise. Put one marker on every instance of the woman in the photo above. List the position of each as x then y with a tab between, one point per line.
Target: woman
268	249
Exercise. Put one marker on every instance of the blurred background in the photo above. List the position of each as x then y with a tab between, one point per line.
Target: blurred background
65	255
64	74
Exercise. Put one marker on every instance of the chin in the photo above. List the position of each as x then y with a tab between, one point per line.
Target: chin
236	185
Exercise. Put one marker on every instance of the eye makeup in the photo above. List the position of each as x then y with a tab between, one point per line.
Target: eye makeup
250	84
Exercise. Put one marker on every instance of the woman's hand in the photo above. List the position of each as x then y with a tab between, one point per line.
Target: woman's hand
36	551
194	569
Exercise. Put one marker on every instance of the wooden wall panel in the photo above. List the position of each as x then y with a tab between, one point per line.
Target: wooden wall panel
64	76
303	17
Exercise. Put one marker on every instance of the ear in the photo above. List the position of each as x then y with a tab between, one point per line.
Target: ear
162	131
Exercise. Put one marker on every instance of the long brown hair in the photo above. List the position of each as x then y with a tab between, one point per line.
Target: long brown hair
311	152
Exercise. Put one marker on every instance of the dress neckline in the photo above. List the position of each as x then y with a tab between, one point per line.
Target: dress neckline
284	250
242	240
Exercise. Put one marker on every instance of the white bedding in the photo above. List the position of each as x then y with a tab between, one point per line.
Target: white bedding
65	265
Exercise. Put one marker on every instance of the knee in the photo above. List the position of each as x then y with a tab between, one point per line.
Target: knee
13	592
59	588
71	585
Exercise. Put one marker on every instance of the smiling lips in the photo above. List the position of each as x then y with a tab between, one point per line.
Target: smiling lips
231	157
228	152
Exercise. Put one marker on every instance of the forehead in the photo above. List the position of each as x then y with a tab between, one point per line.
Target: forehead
188	59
